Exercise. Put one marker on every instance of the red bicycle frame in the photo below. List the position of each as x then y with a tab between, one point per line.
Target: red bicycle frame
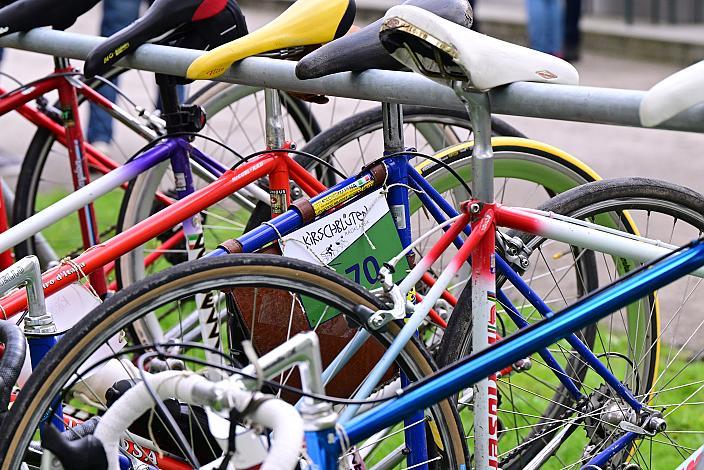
278	163
82	156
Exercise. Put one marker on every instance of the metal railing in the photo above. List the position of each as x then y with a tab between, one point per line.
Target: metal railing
562	102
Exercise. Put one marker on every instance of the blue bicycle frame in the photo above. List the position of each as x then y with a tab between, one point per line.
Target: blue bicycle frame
397	173
325	446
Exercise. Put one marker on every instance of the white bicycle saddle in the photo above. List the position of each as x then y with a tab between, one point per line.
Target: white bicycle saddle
673	95
429	45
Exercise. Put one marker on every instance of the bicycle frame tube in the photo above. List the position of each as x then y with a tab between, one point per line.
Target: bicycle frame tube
586	235
6	258
416	447
195	245
434	202
460	375
83	196
68	102
291	220
524	289
100	255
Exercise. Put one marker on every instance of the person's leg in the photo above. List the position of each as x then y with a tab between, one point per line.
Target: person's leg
559	27
553	26
573	35
116	15
536	24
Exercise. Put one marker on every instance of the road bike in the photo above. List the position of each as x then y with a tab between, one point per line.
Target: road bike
624	365
330	444
105	252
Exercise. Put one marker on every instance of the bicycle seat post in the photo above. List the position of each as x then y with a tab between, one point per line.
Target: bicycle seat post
61	63
479	109
483	280
168	96
275	136
392	115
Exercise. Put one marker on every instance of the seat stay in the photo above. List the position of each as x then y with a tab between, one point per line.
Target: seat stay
673	95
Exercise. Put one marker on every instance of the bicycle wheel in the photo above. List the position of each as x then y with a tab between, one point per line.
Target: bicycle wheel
535	410
358	140
526	170
230	109
251	291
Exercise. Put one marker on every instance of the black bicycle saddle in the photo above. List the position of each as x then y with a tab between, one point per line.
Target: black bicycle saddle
23	15
362	50
192	24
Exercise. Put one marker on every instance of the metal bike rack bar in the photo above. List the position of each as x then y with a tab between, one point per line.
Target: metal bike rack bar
567	103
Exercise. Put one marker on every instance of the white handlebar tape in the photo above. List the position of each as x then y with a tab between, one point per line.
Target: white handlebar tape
282	418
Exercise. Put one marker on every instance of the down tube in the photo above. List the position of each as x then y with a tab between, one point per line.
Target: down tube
460	375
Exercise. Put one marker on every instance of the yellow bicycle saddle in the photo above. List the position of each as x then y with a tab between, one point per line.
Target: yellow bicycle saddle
305	23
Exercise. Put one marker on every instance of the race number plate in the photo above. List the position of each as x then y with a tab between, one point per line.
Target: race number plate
338	240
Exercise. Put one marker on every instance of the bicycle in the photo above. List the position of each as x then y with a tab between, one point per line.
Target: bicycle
45	161
327	442
62	280
214	274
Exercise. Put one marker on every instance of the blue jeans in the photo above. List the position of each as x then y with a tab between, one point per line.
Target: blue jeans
546	25
116	15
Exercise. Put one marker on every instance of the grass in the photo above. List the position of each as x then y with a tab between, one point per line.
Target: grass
529	388
65	235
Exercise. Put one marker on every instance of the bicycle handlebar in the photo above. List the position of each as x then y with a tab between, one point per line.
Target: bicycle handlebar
272	413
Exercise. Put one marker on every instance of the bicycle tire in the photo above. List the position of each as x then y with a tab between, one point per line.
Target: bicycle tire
208	273
624	197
